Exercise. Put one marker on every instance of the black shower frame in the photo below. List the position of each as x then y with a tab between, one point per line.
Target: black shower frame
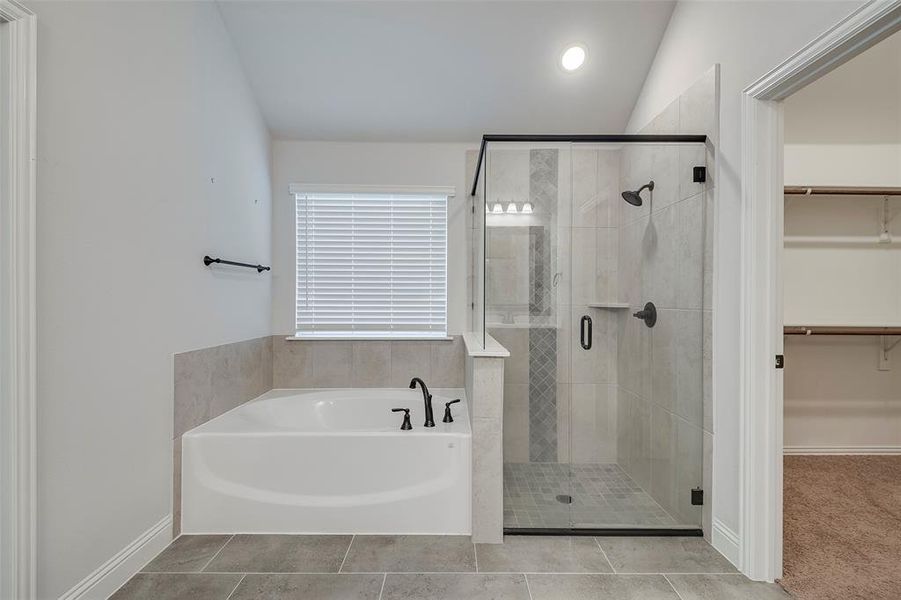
617	138
589	138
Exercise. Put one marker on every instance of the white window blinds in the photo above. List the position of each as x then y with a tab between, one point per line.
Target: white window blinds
371	264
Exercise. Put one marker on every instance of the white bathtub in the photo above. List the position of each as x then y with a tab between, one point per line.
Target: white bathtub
329	461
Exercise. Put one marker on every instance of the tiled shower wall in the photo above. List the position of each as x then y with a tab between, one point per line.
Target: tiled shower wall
559	399
592	259
664	421
212	381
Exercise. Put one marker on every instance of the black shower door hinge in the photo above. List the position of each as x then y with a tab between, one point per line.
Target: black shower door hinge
699	174
697	497
780	361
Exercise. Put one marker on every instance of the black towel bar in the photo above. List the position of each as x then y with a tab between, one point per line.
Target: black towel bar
208	261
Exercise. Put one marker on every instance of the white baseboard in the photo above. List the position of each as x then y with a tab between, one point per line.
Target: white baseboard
112	574
827	450
726	542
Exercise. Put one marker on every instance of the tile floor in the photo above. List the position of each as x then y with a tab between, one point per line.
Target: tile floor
603	496
371	567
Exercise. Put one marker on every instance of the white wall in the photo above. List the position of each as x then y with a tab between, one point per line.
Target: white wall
365	163
845	128
151	153
747	39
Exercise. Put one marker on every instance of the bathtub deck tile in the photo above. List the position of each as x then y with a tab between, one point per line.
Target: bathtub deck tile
178	586
455	586
281	554
320	587
410	554
187	554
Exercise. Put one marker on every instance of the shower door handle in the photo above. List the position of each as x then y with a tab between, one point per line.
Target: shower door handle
585	332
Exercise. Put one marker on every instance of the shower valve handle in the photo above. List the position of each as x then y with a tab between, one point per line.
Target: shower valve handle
648	314
406	424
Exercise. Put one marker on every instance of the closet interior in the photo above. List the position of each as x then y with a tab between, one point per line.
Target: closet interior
842	325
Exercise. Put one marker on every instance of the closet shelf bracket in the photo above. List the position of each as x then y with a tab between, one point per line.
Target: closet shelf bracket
885	236
884	348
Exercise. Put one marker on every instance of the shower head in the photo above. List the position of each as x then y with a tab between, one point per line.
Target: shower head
634	198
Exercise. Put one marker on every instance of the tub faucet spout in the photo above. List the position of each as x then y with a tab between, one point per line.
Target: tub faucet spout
426	398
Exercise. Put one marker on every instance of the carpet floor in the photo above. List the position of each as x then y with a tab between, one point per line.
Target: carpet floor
842	527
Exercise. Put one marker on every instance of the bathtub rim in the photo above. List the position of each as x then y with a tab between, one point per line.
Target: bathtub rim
462	426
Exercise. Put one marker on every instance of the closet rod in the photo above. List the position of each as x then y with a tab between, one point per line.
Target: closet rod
839	330
842	191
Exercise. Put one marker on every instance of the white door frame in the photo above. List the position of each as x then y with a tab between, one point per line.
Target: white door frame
17	311
761	274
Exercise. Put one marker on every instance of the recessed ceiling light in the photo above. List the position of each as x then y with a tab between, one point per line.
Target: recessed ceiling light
573	57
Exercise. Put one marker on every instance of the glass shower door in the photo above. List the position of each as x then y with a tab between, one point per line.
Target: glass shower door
597	483
637	393
599	297
527	310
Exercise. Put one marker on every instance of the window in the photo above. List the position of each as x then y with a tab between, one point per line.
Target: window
371	263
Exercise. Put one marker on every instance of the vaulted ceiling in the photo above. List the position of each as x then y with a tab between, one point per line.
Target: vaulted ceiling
443	70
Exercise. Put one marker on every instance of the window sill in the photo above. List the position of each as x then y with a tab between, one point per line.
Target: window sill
445	338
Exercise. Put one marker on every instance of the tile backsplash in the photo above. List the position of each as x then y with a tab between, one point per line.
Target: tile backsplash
211	381
355	363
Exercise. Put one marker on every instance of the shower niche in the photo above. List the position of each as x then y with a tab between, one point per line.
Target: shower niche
589	267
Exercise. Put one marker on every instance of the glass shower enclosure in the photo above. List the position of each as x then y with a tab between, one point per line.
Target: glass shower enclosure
589	267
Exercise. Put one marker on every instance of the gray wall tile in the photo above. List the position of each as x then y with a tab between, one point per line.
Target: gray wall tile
409	360
193	390
292	362
487	481
363	363
371	364
447	363
332	364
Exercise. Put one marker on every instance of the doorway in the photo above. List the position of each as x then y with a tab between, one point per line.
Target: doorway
17	311
842	307
761	320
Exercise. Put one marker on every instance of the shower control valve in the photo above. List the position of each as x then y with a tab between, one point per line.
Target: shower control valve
648	315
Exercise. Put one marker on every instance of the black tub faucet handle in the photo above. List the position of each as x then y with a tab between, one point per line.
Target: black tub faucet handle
406	424
448	417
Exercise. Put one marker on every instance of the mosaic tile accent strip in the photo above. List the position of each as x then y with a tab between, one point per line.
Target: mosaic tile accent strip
542	394
603	496
540	285
543	189
543	180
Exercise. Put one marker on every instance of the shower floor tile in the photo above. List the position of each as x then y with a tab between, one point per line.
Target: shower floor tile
603	495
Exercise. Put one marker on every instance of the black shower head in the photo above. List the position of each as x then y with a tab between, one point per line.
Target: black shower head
634	198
